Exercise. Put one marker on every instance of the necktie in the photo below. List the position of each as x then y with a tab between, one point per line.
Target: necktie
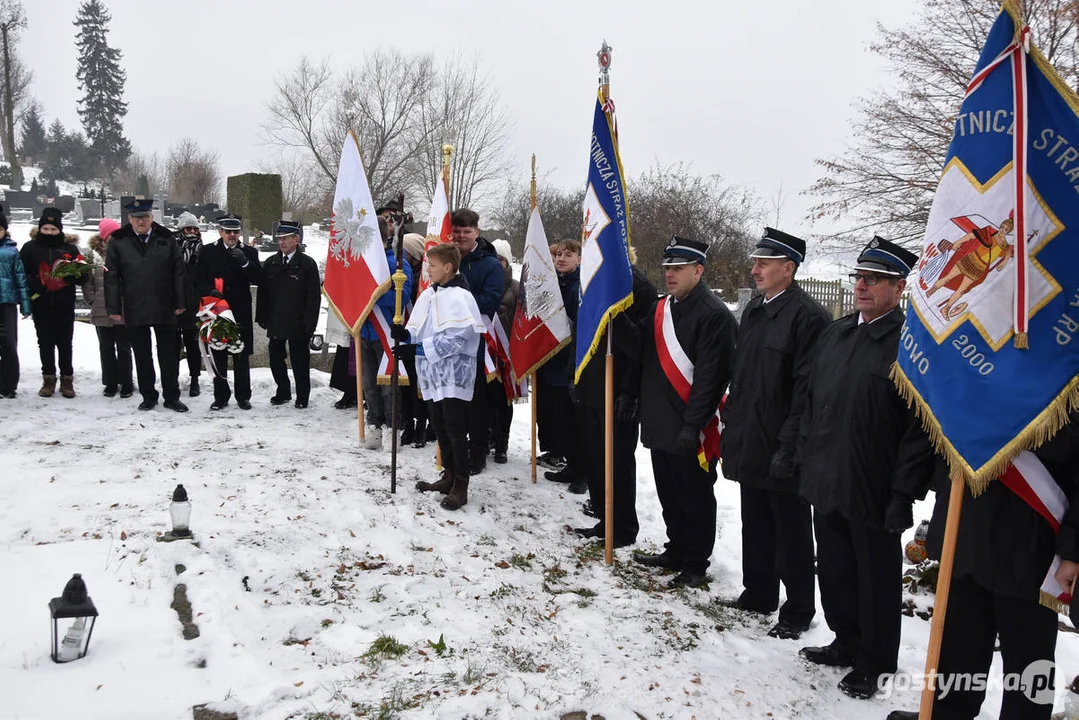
143	238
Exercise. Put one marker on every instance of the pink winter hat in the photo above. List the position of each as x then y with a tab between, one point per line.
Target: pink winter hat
107	227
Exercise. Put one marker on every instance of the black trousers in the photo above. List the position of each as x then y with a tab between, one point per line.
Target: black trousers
299	355
449	420
500	414
860	570
55	327
339	377
114	347
167	360
594	451
479	411
554	433
689	508
976	618
9	348
241	375
412	407
187	337
777	545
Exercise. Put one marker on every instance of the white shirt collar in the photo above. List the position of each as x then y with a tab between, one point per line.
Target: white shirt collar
768	300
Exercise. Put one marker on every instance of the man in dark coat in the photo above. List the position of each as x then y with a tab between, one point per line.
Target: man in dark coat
289	300
702	334
1003	552
483	271
144	288
189	238
761	419
863	459
234	267
591	396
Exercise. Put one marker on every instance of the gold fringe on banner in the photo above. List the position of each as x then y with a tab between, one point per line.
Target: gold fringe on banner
1054	604
1022	342
1040	430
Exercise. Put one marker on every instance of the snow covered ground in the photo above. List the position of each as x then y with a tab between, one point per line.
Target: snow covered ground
319	594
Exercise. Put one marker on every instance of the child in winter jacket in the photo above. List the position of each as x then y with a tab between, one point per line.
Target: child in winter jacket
444	334
14	298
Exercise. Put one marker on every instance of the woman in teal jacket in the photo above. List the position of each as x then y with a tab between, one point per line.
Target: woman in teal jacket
14	298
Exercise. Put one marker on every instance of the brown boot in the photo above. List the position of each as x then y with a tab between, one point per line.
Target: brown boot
67	386
48	386
458	496
444	484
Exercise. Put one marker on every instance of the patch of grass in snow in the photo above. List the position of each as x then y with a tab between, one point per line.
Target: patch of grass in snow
722	617
385	646
502	591
376	595
522	562
391	706
554	574
524	660
486	539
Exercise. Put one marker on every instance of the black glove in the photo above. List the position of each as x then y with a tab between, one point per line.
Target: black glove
573	395
782	465
398	333
688	441
404	351
625	408
900	513
237	256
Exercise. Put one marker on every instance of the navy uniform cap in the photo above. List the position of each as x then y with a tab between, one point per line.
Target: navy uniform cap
684	251
230	222
778	244
288	227
140	206
885	257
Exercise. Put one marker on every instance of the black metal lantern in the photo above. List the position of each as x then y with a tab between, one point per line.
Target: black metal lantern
73	604
180	511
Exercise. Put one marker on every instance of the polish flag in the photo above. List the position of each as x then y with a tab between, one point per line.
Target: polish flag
438	228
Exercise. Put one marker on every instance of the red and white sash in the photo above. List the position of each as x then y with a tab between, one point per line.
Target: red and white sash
679	371
1028	478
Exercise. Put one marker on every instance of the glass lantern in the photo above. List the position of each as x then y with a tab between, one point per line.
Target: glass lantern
74	604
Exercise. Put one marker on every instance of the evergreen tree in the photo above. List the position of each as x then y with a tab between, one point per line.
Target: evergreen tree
142	186
101	79
34	187
32	143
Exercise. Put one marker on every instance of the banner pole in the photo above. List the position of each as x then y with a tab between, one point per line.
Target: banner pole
359	387
532	383
608	479
940	606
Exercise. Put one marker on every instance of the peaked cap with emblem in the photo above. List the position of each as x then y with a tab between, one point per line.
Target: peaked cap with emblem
778	244
288	227
230	222
885	257
140	207
684	251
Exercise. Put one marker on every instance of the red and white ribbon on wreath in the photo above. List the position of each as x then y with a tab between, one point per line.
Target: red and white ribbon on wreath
210	310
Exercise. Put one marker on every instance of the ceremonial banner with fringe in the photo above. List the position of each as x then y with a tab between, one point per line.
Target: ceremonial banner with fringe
541	326
989	355
606	275
438	229
356	269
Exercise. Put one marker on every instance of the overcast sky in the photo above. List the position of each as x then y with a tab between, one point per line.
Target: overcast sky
753	91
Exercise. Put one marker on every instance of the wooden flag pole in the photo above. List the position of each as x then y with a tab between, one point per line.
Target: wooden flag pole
359	387
532	383
940	606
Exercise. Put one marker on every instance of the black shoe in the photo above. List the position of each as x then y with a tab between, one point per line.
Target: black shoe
421	441
280	399
110	391
578	486
859	685
218	405
126	392
903	715
430	434
687	579
787	631
596	531
832	655
243	404
552	461
560	476
477	465
193	390
586	508
745	605
345	403
500	457
175	406
300	404
660	560
148	404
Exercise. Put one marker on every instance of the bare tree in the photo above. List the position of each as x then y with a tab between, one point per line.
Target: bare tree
559	208
16	80
884	182
303	187
192	173
139	165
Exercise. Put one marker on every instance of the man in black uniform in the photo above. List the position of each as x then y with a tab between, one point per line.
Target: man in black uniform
591	398
144	288
1003	552
761	420
235	267
686	368
289	299
863	459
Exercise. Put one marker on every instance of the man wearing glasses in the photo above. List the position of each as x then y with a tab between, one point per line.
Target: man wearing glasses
230	267
863	459
144	288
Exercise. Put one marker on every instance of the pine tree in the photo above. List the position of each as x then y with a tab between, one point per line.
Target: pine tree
32	142
101	79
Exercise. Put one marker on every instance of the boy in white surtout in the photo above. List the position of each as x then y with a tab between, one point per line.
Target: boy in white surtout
444	333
